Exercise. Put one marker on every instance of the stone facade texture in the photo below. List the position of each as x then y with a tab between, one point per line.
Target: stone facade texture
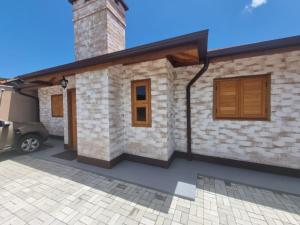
56	126
104	112
116	111
92	99
153	142
99	27
275	142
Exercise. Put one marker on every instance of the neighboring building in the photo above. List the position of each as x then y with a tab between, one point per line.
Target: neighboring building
132	104
2	80
17	106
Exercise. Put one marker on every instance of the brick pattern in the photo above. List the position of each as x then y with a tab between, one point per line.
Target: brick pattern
99	27
149	142
116	112
92	95
115	27
275	143
104	112
171	109
35	191
100	113
226	202
55	125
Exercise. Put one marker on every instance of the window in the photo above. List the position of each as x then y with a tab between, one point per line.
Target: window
141	103
246	98
57	105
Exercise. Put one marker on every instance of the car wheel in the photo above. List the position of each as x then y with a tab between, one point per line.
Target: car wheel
29	143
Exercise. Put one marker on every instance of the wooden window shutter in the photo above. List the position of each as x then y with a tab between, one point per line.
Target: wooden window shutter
254	97
57	105
227	98
242	98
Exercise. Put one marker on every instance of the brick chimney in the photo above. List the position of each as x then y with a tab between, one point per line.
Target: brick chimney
99	27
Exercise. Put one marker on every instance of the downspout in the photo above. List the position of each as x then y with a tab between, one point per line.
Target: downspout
188	106
18	90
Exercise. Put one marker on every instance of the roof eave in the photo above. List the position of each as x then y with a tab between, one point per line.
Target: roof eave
199	39
256	47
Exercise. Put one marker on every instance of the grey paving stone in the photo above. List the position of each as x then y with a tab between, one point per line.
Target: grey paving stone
44	192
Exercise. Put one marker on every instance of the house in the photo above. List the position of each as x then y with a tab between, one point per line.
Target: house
173	98
2	80
16	106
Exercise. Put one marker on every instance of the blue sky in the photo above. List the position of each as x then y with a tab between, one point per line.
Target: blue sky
37	34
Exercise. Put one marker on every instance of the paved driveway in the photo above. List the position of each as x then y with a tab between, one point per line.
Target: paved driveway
35	191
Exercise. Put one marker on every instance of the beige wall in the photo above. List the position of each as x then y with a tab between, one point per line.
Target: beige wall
17	108
5	101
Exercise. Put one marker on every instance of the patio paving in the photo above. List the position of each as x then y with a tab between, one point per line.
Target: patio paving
37	191
180	179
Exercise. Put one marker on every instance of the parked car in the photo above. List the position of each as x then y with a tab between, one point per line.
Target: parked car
25	137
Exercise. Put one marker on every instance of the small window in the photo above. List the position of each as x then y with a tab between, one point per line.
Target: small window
141	93
141	103
245	98
57	105
141	114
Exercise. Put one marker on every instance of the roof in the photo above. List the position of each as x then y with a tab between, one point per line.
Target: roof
125	6
183	50
255	47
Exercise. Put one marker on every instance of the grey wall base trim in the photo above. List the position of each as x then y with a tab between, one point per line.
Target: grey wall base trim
57	137
95	162
243	164
148	161
115	161
203	158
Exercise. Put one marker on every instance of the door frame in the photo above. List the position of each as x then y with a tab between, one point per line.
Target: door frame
70	116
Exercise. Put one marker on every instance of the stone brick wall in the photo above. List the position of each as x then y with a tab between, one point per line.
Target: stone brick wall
116	26
116	111
274	143
171	109
150	142
92	95
99	27
104	112
54	125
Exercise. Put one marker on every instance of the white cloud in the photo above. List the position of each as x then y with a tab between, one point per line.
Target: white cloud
255	4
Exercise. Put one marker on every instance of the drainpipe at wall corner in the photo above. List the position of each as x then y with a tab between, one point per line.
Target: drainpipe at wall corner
188	107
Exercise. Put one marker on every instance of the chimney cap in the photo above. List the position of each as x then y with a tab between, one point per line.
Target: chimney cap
125	6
